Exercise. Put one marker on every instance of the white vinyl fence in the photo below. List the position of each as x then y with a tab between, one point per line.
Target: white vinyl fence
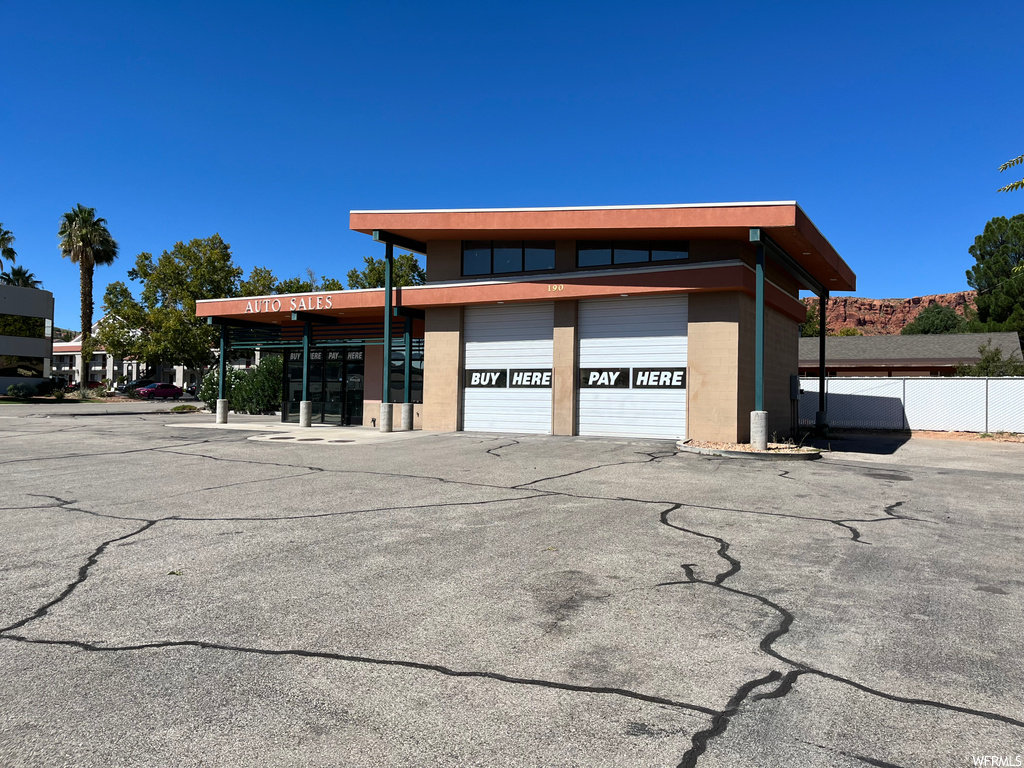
943	404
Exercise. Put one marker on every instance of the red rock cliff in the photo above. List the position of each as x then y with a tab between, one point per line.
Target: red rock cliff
885	316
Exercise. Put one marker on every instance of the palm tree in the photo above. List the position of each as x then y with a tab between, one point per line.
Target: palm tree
20	277
6	243
86	240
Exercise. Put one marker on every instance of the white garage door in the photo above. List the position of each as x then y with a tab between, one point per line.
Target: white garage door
507	385
632	370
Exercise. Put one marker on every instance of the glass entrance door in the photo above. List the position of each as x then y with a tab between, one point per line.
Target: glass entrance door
354	386
334	382
335	386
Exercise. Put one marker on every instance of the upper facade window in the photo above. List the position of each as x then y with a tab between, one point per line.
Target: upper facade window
30	327
502	257
603	253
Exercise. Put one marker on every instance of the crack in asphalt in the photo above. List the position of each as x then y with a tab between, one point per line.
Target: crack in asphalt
83	574
720	719
491	451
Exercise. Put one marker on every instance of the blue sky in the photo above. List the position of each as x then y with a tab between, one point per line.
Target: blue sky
267	122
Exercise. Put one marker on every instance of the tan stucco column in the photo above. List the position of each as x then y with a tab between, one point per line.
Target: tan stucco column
715	381
563	391
442	369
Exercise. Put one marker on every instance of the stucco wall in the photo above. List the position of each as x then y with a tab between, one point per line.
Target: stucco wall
442	371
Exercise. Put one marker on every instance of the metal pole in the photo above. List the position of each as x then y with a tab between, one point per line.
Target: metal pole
389	254
408	360
222	363
759	332
822	301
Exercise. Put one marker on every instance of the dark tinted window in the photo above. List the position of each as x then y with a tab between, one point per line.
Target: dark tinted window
476	258
18	325
593	254
668	251
501	257
508	257
630	253
598	254
539	256
15	365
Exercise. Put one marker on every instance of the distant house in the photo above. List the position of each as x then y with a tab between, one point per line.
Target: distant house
26	335
911	355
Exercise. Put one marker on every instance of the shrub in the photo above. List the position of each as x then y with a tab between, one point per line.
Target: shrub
59	393
45	388
259	391
21	391
184	409
209	388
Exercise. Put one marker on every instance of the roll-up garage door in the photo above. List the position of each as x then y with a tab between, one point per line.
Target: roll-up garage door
507	385
632	369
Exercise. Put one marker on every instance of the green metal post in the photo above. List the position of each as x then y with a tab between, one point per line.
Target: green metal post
222	363
389	255
759	332
307	331
408	360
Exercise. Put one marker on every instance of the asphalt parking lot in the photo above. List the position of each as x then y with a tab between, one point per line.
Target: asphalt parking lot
180	596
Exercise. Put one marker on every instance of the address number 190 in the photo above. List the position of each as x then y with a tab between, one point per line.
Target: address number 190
552	288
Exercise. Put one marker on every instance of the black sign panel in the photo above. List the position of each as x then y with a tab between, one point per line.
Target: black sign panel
294	357
355	354
487	378
316	356
535	378
608	378
659	378
334	355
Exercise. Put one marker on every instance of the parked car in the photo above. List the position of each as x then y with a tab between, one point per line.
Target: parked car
162	391
136	384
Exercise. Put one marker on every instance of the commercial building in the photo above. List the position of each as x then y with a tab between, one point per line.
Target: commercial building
669	321
26	335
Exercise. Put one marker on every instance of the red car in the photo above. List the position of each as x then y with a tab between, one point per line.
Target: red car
163	391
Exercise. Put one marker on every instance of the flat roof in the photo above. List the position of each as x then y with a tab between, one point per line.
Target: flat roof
783	220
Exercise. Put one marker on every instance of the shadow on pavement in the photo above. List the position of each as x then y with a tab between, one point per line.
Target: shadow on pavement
879	442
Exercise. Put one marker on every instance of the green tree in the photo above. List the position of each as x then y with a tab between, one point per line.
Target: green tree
6	246
331	284
161	326
848	332
998	251
811	327
407	271
992	363
20	277
295	285
1016	184
261	282
936	319
309	284
85	240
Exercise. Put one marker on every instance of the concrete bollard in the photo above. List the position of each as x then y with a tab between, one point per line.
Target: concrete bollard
222	411
306	413
407	413
759	430
385	417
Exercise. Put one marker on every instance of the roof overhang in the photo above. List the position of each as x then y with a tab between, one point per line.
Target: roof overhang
784	221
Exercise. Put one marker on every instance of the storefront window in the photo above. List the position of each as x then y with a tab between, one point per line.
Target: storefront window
26	367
